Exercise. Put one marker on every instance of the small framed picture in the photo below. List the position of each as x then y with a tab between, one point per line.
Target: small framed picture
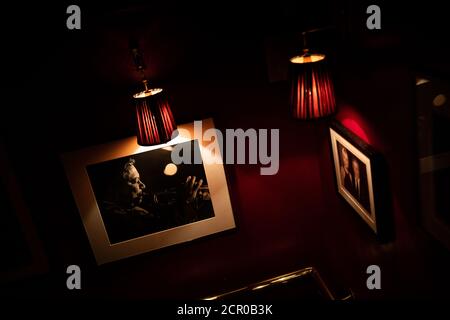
361	178
135	199
433	151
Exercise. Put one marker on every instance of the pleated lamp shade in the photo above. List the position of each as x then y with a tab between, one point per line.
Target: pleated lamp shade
312	90
154	119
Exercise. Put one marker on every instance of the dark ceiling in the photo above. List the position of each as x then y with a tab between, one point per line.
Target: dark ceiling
187	42
179	39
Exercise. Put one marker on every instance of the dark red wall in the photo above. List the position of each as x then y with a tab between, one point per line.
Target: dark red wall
285	222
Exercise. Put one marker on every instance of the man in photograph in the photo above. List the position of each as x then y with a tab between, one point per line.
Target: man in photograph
345	171
136	210
360	188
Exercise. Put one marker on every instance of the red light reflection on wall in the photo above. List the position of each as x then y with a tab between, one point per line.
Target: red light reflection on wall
353	121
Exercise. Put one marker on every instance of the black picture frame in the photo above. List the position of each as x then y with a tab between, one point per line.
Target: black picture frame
369	195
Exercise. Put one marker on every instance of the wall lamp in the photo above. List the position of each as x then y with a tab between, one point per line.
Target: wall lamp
155	123
312	90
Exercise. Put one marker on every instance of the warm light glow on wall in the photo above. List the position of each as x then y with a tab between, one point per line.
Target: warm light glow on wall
353	120
354	127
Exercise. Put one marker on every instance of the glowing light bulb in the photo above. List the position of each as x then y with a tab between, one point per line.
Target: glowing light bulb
170	169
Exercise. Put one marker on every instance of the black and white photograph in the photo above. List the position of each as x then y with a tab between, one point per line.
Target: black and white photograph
353	165
147	193
353	174
133	199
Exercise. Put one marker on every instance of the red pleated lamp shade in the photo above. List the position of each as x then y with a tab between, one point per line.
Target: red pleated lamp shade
312	90
154	119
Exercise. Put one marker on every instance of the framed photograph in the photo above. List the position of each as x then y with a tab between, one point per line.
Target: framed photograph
433	151
22	250
134	199
361	178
